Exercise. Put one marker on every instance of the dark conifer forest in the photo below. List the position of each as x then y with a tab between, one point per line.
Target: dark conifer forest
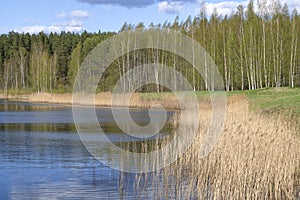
251	49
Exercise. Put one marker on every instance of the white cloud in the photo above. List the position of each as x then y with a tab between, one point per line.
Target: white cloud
79	14
31	29
292	4
229	7
225	7
131	3
73	23
48	29
68	26
170	7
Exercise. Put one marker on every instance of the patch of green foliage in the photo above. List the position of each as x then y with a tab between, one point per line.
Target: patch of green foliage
165	95
150	96
18	91
275	100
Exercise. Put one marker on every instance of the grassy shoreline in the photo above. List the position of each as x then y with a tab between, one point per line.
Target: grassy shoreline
273	100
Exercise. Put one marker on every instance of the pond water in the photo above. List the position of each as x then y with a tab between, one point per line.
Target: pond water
42	157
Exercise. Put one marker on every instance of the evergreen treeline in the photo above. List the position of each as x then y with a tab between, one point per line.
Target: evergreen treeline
251	49
41	62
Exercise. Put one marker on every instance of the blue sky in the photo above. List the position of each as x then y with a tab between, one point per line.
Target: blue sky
34	16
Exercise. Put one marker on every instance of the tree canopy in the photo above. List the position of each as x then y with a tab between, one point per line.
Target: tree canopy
251	49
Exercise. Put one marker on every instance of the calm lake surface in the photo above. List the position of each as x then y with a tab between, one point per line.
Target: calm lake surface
42	157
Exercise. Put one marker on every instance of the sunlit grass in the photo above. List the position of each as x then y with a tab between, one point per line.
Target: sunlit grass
276	100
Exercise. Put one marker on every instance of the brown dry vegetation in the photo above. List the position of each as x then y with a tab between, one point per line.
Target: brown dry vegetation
101	99
256	157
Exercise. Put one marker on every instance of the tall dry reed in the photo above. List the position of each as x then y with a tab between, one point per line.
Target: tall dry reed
256	157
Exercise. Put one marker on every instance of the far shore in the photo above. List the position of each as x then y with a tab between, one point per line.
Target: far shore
269	101
103	99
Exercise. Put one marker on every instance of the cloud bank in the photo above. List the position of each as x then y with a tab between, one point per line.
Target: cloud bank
79	14
170	7
71	26
229	7
132	3
225	7
73	22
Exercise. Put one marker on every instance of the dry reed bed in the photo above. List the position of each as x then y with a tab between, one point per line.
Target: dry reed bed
101	99
256	157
